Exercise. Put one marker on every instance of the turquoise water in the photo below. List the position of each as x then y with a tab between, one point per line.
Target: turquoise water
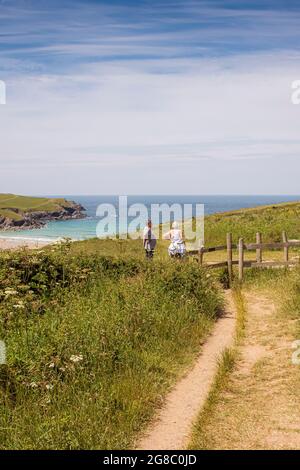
86	228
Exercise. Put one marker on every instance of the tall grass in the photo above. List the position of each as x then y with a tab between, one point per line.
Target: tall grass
93	345
288	287
269	220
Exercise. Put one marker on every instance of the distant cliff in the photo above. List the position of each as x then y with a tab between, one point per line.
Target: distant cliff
23	212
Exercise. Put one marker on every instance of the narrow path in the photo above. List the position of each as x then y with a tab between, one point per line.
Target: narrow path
259	407
172	427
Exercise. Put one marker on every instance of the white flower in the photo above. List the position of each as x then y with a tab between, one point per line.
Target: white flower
51	365
49	387
19	305
33	385
10	292
76	359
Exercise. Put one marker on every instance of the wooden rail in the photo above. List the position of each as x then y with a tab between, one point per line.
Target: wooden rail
258	247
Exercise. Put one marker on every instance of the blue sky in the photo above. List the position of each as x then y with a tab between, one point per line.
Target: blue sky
149	97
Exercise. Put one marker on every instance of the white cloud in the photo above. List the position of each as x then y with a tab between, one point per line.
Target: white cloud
125	120
175	113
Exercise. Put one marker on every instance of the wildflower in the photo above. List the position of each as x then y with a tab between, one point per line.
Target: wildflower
33	385
19	305
10	292
51	365
49	386
76	359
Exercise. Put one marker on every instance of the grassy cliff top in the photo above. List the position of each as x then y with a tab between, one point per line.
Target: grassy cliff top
9	203
270	220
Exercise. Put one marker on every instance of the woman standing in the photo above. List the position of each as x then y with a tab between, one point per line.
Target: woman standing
149	240
177	247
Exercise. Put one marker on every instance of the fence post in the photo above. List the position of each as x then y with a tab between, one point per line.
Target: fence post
286	248
241	259
229	256
259	250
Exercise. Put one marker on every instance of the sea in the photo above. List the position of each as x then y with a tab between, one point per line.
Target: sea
82	229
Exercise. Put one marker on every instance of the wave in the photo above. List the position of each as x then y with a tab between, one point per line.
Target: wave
32	239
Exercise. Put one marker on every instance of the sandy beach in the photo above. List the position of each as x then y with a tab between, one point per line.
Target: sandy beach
16	243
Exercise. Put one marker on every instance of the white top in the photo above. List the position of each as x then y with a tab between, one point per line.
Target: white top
175	235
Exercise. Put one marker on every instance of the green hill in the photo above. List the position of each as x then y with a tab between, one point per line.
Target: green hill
26	211
269	220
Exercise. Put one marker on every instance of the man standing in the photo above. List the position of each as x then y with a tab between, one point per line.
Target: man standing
149	240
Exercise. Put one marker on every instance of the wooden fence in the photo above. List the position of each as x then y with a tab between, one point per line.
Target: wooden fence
258	247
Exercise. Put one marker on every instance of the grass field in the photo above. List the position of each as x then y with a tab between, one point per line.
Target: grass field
269	220
93	345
